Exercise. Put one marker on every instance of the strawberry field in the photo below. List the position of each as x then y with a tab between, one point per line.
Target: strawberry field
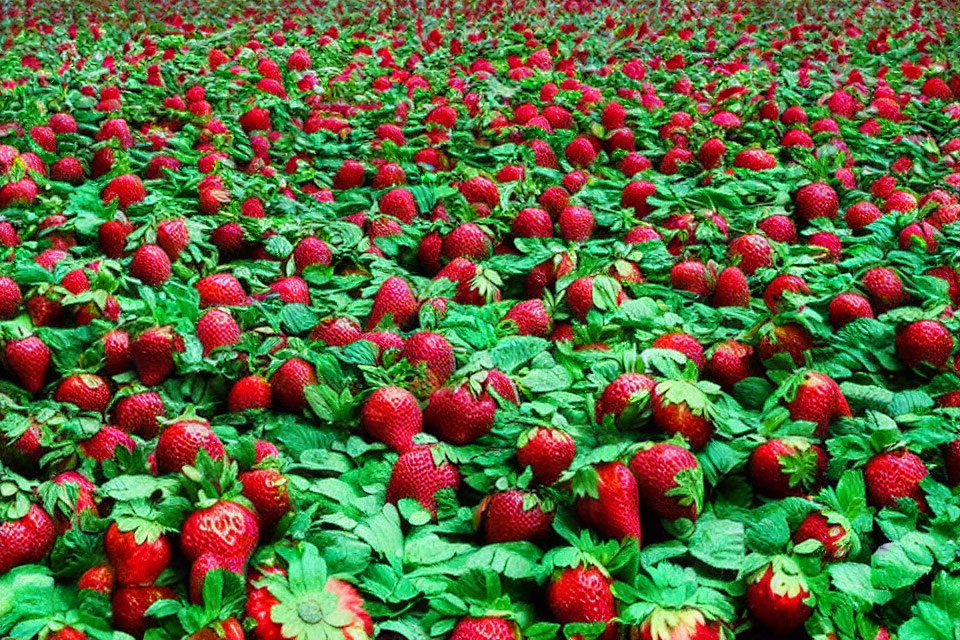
497	320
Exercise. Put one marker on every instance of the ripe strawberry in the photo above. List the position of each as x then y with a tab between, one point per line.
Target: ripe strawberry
818	399
576	224
116	352
419	474
531	318
634	196
862	214
730	362
629	391
548	452
435	352
138	555
466	241
554	200
250	392
112	237
396	299
336	331
26	540
225	528
205	564
29	360
173	236
711	153
399	203
693	276
670	481
791	338
481	190
130	605
137	413
773	294
288	383
103	444
152	354
754	160
615	511
922	235
779	228
220	290
583	594
89	392
847	307
682	407
100	579
151	265
456	415
532	222
10	298
787	467
485	629
816	200
829	528
580	153
267	491
885	289
753	250
309	251
511	516
392	415
924	341
775	597
683	343
180	442
291	290
894	475
217	328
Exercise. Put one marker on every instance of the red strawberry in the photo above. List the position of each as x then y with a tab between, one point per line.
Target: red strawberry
635	196
220	290
291	290
180	442
466	241
775	597
103	444
862	214
394	298
677	624
216	328
818	399
754	252
10	298
924	342
787	467
435	352
26	540
669	480
481	190
127	189
730	362
151	265
531	318
711	153
485	629
755	160
816	200
885	288
267	491
682	407
615	509
251	392
288	383
532	222
894	475
29	360
773	294
225	528
779	228
829	528
548	452
336	332
112	237
456	415
731	289
630	390
693	276
116	352
847	307
513	515
399	203
419	474
130	605
790	338
137	556
137	413
576	224
100	579
204	565
152	354
583	594
310	251
683	343
392	415
89	392
173	236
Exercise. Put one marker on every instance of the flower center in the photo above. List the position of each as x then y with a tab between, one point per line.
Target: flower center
310	612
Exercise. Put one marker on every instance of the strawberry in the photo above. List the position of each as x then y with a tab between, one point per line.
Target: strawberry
138	555
392	415
457	415
27	539
818	399
580	153
466	241
683	407
112	237
485	629
216	328
776	595
267	491
435	352
634	196
894	475
150	265
924	342
576	224
103	444
130	605
29	360
288	383
773	294
419	473
100	579
532	222
693	276
336	332
152	354
173	236
779	228
731	289
921	235
180	442
137	413
220	290
829	528
847	307
87	391
116	352
754	160
394	298
554	200
548	452
682	343
481	190
205	564
885	289
753	251
10	298
530	318
788	466
711	153
629	391
816	200
677	624
669	480
225	528
583	594
862	214
790	338
612	506
251	392
309	251
729	362
511	516
399	203
291	290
